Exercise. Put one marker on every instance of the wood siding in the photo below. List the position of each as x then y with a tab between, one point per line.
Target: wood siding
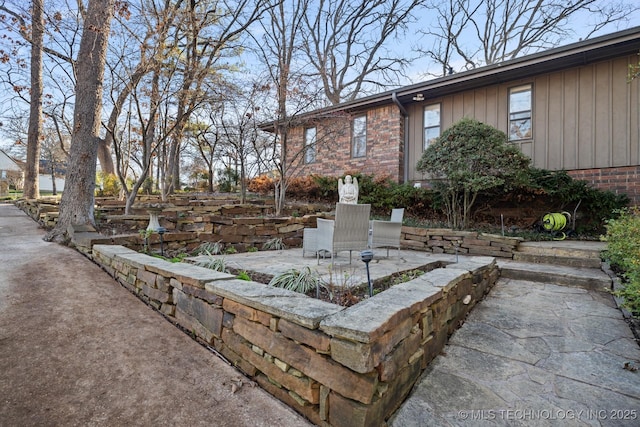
583	118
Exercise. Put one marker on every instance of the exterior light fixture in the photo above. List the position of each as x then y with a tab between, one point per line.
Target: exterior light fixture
418	97
161	231
366	256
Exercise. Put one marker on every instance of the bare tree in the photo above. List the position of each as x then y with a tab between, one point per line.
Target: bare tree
238	127
31	182
61	24
33	34
141	146
469	33
54	154
76	205
136	61
346	44
206	139
208	32
279	48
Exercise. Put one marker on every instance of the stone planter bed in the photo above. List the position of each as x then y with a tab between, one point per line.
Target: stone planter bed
337	366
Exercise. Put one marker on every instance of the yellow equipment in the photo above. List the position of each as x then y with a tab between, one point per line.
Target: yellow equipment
555	223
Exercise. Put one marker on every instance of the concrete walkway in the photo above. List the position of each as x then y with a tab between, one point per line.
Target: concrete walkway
532	354
77	349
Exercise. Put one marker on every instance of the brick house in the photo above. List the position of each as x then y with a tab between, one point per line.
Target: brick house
569	108
11	174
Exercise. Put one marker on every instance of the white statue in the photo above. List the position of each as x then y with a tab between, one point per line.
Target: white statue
349	190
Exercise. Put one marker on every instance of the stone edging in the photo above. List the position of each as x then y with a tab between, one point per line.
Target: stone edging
336	366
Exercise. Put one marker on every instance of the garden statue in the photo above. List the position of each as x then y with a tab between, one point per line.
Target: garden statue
349	190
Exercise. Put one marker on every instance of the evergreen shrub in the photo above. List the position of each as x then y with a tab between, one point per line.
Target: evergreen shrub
623	252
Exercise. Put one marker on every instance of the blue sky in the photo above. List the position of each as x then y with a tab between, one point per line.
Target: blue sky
420	67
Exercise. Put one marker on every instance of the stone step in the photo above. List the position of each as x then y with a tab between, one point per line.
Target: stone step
587	278
564	248
570	261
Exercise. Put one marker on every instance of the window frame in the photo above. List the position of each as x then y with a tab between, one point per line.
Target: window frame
362	137
310	151
521	115
425	128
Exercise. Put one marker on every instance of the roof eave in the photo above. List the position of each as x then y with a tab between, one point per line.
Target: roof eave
572	55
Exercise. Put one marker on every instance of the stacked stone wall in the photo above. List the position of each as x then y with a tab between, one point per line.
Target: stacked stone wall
337	366
444	240
247	226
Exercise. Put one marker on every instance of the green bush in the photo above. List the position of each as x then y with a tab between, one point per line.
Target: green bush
381	193
301	281
623	252
327	187
244	275
109	185
227	180
471	158
563	192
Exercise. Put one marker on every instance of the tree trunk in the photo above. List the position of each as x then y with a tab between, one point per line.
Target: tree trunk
31	184
53	178
76	205
210	180
172	179
104	155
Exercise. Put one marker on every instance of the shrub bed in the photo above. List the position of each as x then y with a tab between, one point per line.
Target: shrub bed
623	252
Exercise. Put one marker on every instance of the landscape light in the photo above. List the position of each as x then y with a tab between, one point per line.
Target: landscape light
366	256
161	231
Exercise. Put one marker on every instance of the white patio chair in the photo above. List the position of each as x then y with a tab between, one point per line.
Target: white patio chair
309	241
348	232
386	234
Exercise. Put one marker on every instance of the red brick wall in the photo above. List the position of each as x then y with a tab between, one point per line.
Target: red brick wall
385	133
619	180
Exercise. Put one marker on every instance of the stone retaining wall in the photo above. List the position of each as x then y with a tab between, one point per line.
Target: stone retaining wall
245	226
444	240
337	366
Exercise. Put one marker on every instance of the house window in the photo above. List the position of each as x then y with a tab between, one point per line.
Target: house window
310	145
431	124
359	143
520	113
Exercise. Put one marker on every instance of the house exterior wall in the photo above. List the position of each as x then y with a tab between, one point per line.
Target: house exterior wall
384	150
619	180
584	118
7	164
10	174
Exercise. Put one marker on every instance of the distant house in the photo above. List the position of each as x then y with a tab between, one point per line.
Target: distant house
10	174
569	108
45	183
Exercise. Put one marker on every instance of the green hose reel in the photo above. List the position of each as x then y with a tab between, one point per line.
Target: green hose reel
555	223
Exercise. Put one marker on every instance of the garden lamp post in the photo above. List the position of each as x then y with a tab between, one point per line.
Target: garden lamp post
161	231
366	256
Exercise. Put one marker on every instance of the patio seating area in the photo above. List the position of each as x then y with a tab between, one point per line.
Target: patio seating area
352	230
273	263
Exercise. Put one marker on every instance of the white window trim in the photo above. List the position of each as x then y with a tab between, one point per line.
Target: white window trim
521	88
310	146
425	127
354	136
